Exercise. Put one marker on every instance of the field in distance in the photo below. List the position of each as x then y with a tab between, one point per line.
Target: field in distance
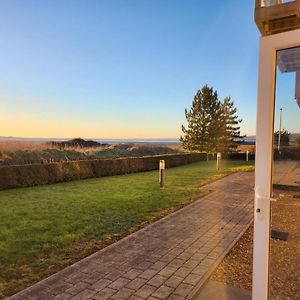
28	152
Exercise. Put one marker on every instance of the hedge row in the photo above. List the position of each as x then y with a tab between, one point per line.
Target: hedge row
239	156
39	174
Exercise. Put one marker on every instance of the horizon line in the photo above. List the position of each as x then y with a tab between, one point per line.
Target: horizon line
96	138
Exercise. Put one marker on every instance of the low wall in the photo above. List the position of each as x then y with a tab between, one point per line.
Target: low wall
39	174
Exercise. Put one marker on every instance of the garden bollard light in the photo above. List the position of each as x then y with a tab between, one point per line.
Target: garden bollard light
161	173
218	160
247	155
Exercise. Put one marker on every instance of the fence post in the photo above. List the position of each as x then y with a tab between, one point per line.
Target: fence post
161	173
247	155
218	160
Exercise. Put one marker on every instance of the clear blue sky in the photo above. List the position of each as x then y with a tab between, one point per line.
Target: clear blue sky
285	94
121	68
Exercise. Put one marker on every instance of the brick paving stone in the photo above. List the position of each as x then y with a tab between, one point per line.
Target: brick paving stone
63	273
191	263
57	278
136	283
176	263
192	279
183	272
59	288
154	257
104	294
133	273
114	275
207	262
197	256
145	291
204	250
213	255
119	283
83	295
191	250
93	277
63	296
163	292
174	281
157	280
101	284
133	297
75	289
168	257
175	252
75	277
183	289
105	267
159	265
144	265
185	255
176	297
167	271
35	292
42	296
123	293
91	269
148	274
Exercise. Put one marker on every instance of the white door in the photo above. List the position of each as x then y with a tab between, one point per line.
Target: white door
269	46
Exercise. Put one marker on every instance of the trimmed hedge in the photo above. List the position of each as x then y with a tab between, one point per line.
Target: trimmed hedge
39	174
239	156
287	153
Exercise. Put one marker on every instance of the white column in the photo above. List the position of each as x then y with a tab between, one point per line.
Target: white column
263	169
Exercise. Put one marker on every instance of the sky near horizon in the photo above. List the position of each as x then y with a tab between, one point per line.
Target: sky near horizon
121	69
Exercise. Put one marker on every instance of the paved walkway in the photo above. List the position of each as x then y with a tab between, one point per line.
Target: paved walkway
169	259
287	173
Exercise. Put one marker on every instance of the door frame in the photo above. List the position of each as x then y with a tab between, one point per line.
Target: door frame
264	156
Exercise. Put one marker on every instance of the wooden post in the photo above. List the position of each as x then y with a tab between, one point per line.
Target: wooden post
247	155
218	160
161	173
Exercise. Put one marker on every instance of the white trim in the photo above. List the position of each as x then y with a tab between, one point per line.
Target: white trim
264	153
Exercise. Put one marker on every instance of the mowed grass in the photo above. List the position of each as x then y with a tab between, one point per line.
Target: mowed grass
43	229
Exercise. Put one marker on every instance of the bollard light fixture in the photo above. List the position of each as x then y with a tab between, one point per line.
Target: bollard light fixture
161	173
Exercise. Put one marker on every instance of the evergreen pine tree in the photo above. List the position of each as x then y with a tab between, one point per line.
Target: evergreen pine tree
230	134
213	126
202	131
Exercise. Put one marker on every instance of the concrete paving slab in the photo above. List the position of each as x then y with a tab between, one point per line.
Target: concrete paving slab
213	290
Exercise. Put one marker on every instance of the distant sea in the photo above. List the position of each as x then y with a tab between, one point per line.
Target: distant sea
170	141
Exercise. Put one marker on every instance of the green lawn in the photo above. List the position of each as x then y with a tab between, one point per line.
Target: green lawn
43	229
